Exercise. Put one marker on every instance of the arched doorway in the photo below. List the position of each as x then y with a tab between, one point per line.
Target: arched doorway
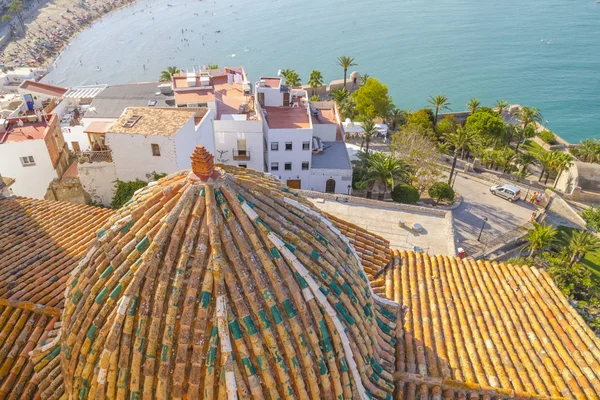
330	186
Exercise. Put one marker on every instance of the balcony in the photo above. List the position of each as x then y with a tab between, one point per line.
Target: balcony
241	155
94	156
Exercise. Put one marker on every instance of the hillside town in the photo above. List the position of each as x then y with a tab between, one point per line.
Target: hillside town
209	236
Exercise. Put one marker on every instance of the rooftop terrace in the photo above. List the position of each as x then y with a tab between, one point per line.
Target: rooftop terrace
29	131
152	121
287	117
272	82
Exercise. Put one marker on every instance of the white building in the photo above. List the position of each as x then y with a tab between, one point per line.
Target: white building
238	129
33	153
305	141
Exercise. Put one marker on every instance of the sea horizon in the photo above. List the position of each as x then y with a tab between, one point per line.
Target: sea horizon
541	54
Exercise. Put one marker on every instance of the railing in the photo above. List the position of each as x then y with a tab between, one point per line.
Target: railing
94	156
241	155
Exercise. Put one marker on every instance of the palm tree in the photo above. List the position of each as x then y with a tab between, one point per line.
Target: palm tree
364	79
580	243
387	168
360	170
461	139
212	66
439	102
315	80
528	115
291	77
506	158
545	159
563	161
369	130
522	133
168	74
14	9
524	160
588	150
339	95
540	236
346	62
394	117
473	105
501	105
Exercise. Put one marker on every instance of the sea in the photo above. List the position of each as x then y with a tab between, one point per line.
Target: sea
542	53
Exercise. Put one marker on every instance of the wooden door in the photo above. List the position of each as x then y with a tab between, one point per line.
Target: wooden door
286	99
76	147
294	183
261	99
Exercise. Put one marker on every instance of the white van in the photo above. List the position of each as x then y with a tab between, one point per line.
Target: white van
509	192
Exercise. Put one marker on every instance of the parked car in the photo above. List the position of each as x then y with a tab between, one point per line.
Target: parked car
509	192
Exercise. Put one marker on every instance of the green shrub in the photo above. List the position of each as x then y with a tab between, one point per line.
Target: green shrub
441	191
124	191
548	137
405	194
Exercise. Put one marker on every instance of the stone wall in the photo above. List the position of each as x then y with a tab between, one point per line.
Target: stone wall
68	189
98	179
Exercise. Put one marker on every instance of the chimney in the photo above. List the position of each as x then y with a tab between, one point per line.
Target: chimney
203	164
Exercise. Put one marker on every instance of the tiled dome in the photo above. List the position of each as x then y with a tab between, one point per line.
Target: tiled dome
221	282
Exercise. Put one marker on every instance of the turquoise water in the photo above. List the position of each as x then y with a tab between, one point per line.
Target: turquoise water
537	53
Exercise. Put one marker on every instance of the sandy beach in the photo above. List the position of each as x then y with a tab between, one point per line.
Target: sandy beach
50	25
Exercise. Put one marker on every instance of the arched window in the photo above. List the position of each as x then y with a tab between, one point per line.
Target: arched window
330	186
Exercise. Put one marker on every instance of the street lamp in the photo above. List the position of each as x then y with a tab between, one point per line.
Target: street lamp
482	225
349	187
546	124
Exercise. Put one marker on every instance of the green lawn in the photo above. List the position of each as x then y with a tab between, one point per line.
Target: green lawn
591	260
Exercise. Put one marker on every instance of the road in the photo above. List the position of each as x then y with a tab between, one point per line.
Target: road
479	203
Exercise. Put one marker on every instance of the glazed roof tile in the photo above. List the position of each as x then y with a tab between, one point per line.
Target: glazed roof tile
231	286
41	242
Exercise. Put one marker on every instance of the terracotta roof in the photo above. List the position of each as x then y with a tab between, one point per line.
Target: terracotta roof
43	88
231	286
287	117
40	244
152	121
20	332
485	328
98	127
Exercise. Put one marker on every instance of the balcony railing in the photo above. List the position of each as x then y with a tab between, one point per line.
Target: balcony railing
94	156
241	155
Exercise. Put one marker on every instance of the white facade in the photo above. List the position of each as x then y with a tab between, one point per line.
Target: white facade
273	96
342	178
31	180
98	180
229	138
297	138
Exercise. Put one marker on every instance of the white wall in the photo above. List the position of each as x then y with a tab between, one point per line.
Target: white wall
37	97
325	131
185	141
295	156
33	180
76	134
133	159
98	179
205	132
342	177
227	133
273	96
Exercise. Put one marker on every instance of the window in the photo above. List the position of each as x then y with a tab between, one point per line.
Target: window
27	161
305	145
288	166
274	166
155	150
330	186
288	146
243	165
305	165
274	146
241	145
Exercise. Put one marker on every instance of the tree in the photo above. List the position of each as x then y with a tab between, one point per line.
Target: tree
562	161
574	281
545	159
520	133
588	150
372	99
529	115
524	160
369	130
168	74
348	108
339	95
501	105
387	169
579	243
315	97
447	125
540	236
364	78
346	62
441	191
405	194
473	105
423	119
420	152
362	177
591	216
212	66
462	139
488	126
14	10
315	80
394	118
439	102
291	77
